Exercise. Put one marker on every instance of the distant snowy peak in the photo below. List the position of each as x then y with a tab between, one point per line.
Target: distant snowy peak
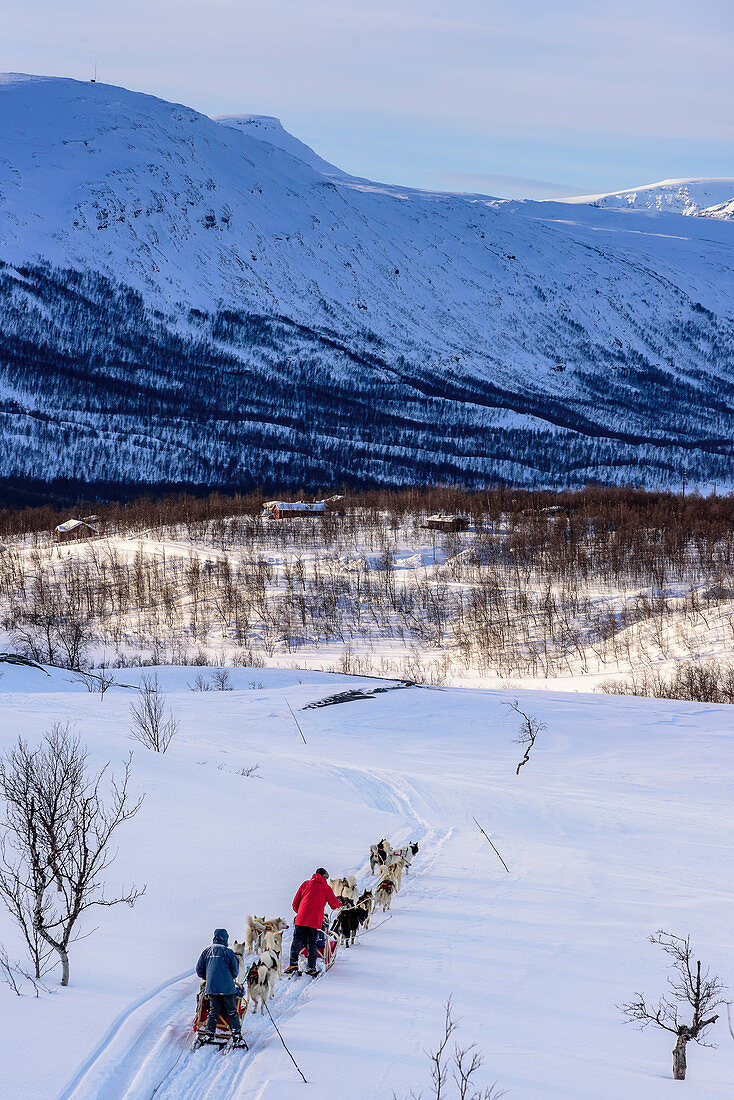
686	196
269	129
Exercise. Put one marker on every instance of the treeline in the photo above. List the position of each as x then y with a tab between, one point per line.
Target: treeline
541	583
671	519
706	681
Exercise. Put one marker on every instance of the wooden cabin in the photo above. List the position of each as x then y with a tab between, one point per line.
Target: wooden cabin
446	523
72	529
281	509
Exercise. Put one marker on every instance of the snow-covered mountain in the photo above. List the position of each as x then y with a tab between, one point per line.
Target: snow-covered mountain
269	129
688	196
196	301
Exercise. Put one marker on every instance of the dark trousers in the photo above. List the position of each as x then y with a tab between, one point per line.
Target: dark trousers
304	937
222	1004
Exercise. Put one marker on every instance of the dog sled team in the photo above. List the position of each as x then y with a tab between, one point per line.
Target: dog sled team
232	980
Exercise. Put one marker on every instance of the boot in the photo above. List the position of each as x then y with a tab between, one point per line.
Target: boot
292	969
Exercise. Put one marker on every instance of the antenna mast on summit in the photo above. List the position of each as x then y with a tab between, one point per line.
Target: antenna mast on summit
94	78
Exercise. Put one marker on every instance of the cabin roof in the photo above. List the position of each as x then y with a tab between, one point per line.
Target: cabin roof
296	506
72	524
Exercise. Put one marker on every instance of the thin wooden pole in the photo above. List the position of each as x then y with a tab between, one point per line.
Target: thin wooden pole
290	708
481	830
295	1063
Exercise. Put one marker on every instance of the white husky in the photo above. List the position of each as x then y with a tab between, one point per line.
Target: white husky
395	869
260	981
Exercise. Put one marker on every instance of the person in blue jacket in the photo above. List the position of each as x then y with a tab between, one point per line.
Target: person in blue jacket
219	966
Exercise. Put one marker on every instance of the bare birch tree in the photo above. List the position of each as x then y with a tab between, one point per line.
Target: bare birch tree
529	729
150	725
689	989
59	820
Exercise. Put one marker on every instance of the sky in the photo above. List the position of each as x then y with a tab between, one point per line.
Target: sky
519	99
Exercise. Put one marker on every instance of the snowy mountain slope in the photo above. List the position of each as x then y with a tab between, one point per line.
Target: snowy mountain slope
453	313
724	211
686	196
606	837
269	129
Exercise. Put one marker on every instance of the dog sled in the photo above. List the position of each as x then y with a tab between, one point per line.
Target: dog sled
327	945
222	1033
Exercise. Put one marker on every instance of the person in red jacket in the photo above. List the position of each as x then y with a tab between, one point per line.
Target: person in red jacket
311	898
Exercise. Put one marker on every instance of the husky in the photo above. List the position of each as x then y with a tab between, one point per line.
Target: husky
366	901
380	854
347	922
254	930
384	893
257	928
395	870
345	888
407	852
239	950
260	981
274	944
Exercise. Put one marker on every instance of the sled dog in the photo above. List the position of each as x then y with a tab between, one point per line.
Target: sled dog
407	852
274	944
380	854
366	901
256	929
395	870
345	888
239	950
260	982
384	893
347	922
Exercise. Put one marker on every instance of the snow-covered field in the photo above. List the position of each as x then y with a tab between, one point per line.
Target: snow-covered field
330	599
620	824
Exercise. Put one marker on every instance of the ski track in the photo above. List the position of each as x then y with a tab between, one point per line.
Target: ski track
146	1054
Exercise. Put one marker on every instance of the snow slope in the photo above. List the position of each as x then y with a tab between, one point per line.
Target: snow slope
620	824
271	282
269	129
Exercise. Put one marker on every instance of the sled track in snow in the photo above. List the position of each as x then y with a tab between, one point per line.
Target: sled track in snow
146	1053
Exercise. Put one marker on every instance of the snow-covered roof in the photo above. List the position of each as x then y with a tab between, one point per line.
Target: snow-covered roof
72	524
439	516
296	505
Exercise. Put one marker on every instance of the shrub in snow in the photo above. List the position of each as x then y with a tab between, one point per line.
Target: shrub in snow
453	1072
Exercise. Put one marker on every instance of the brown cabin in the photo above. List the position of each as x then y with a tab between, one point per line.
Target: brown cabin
73	529
446	523
281	509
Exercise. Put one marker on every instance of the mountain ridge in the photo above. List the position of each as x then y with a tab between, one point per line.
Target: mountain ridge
504	338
